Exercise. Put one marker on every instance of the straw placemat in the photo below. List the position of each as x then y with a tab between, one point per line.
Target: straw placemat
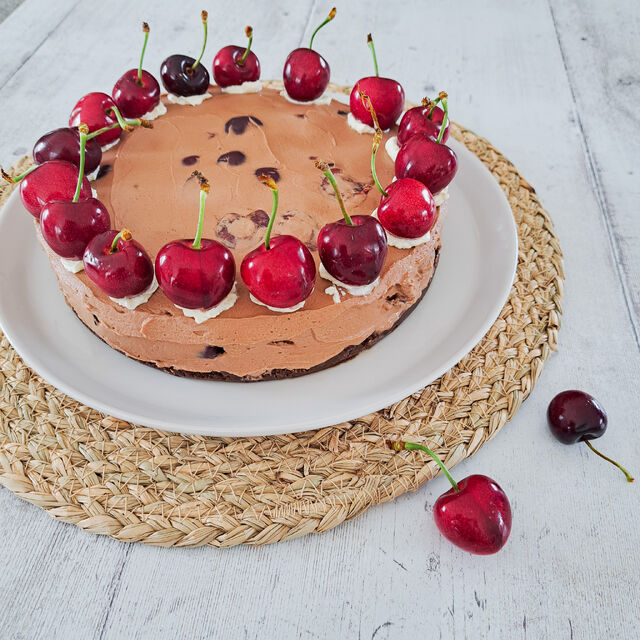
138	484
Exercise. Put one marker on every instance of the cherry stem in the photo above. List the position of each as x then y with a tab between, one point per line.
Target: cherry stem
83	130
205	15
445	118
145	29
249	33
326	169
204	192
271	183
329	18
125	234
400	445
613	462
373	53
126	125
377	137
14	179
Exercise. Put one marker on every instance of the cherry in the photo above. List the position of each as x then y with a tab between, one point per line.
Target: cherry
474	514
306	73
118	264
425	119
281	272
575	416
183	75
64	144
197	273
97	111
67	227
137	92
44	183
387	96
233	65
353	249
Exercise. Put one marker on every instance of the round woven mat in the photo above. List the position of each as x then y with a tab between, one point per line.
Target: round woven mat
138	484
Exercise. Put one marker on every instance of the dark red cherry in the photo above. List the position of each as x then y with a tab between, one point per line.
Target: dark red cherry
417	120
233	65
68	227
53	180
575	416
64	144
387	98
476	517
96	111
306	73
409	210
432	163
136	98
195	278
118	264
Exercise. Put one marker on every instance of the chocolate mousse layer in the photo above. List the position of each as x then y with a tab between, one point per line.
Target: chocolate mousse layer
232	139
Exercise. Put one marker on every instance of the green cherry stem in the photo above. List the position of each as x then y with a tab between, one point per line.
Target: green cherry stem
400	445
377	138
127	125
83	130
445	107
249	33
329	18
205	15
628	476
373	53
204	192
125	234
145	29
270	182
326	169
14	179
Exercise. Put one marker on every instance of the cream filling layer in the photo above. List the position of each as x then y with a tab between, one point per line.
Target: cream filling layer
202	315
132	302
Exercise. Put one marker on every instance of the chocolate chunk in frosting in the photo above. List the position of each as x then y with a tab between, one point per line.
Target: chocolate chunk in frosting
239	124
232	158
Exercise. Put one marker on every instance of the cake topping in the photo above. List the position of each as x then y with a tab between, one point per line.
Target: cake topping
187	161
137	92
199	273
232	158
387	96
270	172
353	249
306	73
64	144
183	75
238	125
427	118
233	66
280	273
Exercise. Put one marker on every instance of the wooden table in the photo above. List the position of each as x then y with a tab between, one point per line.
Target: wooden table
556	87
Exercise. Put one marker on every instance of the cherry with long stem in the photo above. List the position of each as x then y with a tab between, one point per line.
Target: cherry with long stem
326	169
627	475
204	15
249	33
270	182
329	18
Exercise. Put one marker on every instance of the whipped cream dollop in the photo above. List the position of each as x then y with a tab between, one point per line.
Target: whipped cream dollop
278	309
132	302
392	147
403	243
201	315
72	266
159	110
358	125
441	196
110	145
94	193
93	175
334	292
254	86
325	98
194	101
354	290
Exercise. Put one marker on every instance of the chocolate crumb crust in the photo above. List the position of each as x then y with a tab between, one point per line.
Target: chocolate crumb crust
280	374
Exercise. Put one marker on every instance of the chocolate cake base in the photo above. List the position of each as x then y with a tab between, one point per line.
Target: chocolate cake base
280	374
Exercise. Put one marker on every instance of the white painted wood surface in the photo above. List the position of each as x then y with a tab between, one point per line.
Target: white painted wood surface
555	87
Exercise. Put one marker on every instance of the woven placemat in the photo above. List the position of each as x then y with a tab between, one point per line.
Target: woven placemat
138	484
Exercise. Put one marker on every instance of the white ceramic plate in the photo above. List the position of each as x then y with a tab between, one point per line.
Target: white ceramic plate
472	283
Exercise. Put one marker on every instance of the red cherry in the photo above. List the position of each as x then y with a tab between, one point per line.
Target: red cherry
64	144
137	92
476	517
117	264
53	180
281	272
409	210
68	227
234	65
96	111
417	120
432	163
306	73
197	273
353	249
386	97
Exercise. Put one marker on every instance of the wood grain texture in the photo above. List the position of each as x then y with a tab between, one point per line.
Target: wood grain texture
571	567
